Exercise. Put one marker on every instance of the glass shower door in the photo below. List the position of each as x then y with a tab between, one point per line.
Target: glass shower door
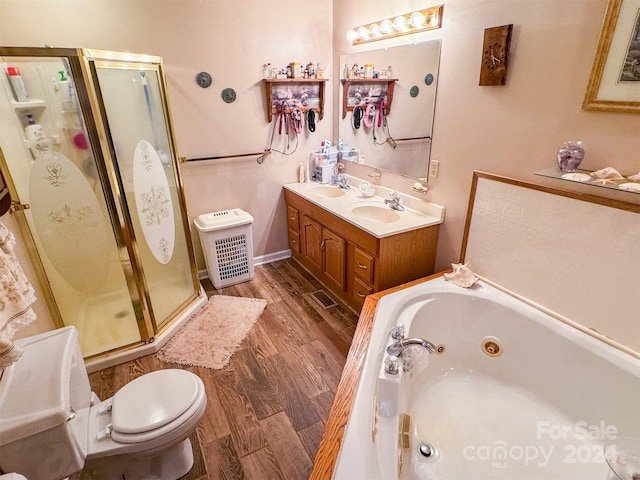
132	97
61	197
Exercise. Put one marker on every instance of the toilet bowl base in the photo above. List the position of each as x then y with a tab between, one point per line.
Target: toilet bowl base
169	464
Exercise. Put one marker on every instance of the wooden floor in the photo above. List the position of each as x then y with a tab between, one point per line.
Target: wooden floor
265	410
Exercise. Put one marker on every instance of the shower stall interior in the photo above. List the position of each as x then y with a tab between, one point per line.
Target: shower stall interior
88	157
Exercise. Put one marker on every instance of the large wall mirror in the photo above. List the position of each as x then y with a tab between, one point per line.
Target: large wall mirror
404	145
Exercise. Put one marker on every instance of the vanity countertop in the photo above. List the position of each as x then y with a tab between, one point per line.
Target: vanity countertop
371	214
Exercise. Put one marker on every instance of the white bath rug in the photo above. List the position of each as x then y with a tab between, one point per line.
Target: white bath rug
214	332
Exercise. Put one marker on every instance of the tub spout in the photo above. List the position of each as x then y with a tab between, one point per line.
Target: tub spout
401	345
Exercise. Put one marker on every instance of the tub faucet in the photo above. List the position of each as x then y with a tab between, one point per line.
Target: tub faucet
394	201
399	346
396	355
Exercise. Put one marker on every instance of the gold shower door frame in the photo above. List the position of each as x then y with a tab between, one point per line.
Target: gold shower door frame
82	64
100	60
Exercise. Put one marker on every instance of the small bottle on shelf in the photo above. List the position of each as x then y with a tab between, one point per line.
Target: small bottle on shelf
266	71
33	131
19	90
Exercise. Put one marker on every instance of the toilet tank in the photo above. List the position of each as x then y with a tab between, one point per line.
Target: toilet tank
44	406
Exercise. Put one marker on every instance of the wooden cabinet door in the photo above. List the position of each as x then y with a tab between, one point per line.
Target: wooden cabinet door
312	240
293	218
335	257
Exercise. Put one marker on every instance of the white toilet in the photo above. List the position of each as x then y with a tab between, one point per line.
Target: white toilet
50	428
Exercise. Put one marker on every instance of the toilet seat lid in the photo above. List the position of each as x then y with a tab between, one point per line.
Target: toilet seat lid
153	400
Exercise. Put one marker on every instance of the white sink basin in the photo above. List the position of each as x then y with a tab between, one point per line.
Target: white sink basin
326	191
375	213
371	215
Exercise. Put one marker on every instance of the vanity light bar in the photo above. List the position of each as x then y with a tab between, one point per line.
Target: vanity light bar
409	23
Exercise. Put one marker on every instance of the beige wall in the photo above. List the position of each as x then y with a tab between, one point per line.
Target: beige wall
513	130
516	129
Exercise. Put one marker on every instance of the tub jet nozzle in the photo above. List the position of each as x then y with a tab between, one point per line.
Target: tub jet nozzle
426	450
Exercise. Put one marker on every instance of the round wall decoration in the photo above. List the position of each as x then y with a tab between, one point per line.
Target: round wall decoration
229	95
204	79
428	79
414	91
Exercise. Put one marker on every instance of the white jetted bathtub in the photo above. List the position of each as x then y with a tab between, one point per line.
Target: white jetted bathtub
514	394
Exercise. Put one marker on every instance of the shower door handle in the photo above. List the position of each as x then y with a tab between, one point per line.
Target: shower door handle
16	207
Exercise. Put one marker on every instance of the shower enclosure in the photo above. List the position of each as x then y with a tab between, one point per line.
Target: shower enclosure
90	163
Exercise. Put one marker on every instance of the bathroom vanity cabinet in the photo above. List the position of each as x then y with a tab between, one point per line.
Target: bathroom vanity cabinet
351	262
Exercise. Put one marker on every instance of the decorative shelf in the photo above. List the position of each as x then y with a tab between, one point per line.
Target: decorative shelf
350	87
28	105
580	176
302	93
55	140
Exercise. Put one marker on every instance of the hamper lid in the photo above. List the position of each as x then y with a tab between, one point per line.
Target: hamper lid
153	400
209	222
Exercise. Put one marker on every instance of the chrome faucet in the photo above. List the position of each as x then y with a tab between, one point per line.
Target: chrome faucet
396	355
343	182
399	346
394	201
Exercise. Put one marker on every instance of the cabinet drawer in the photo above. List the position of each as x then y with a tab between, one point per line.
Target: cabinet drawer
294	241
293	219
363	264
361	290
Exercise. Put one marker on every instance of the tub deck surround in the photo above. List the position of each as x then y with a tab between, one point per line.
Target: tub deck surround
332	437
417	213
528	243
511	390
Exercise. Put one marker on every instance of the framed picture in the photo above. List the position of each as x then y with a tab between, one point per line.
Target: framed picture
364	94
614	84
295	95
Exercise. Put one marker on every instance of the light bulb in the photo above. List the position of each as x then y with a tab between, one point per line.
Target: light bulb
400	24
351	35
375	30
363	33
416	19
386	26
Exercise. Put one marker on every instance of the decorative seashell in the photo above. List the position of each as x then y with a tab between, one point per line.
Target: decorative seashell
630	187
462	275
609	173
635	178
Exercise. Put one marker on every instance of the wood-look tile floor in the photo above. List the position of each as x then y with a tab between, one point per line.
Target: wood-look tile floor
266	409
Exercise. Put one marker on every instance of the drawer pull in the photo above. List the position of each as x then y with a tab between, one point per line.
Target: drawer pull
364	267
360	294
